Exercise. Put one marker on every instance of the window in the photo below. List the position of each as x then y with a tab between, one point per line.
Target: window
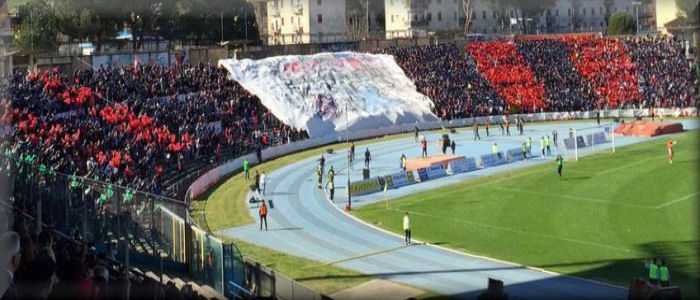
455	16
319	18
429	17
556	13
319	2
439	1
439	16
592	11
282	21
392	18
483	15
601	11
569	12
583	11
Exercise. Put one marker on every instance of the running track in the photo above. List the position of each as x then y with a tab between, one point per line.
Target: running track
305	223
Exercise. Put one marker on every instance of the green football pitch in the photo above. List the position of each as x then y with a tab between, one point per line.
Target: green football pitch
601	220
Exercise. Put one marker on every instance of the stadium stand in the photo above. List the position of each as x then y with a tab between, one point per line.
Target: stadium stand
57	266
506	70
579	72
146	128
121	125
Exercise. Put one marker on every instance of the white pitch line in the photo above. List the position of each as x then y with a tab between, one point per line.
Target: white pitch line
639	162
576	198
516	231
672	202
489	180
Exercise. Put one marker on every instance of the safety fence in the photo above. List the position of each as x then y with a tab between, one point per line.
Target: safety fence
268	284
150	226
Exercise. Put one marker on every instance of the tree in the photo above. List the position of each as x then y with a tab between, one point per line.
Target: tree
37	31
688	9
87	20
528	11
621	23
202	20
168	25
357	19
467	6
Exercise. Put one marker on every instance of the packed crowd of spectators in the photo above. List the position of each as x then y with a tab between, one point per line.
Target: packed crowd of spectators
452	81
550	60
127	125
52	266
508	73
666	79
607	66
565	73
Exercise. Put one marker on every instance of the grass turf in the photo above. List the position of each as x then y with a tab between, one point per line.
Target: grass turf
225	207
600	221
322	279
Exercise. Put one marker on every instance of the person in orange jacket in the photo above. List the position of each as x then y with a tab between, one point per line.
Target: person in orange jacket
669	148
262	211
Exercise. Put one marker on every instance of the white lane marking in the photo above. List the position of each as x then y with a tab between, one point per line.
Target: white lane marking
575	198
672	202
624	166
463	253
542	235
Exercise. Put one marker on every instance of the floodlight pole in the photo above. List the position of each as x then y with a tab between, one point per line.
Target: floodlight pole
637	5
347	141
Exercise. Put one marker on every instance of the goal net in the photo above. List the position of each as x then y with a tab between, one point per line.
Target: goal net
579	142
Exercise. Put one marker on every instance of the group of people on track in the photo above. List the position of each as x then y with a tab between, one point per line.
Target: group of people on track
526	147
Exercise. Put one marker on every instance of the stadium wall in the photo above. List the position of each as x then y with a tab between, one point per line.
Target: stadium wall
212	177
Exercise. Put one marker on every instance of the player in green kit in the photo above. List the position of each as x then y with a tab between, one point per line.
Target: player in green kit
560	164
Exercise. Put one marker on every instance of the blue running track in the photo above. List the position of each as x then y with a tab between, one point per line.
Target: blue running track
306	224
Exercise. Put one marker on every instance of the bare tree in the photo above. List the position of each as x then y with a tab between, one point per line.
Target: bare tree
467	5
357	19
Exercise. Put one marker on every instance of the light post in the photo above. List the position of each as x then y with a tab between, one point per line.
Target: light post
367	15
347	141
636	4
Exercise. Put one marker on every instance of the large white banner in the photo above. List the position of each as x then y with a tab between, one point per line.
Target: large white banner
312	92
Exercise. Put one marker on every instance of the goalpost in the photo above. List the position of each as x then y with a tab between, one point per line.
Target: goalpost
583	141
